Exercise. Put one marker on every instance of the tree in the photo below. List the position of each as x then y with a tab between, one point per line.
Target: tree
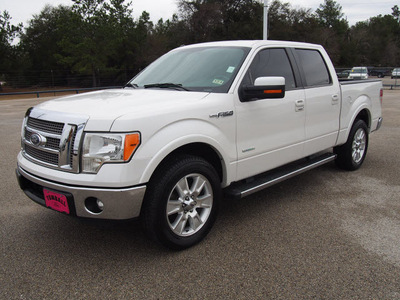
331	16
396	13
88	53
209	20
42	47
93	38
122	39
376	42
8	33
107	38
287	23
334	31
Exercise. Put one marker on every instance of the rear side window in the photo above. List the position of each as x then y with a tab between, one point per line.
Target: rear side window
315	71
271	62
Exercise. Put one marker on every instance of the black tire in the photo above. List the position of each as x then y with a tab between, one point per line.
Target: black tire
351	155
191	214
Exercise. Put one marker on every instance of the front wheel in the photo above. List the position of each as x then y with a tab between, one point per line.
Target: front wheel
351	155
182	202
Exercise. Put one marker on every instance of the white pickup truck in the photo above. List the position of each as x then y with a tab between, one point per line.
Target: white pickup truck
203	120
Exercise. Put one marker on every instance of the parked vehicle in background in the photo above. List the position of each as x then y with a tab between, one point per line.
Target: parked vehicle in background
233	117
379	72
358	73
396	73
343	74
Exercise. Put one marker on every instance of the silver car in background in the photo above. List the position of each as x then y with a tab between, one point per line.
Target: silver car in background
358	73
396	73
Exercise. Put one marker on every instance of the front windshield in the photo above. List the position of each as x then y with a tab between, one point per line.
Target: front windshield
209	69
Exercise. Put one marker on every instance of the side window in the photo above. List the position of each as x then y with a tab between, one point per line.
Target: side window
315	71
271	62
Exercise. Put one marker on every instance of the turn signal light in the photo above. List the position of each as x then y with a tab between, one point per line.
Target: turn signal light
132	141
272	91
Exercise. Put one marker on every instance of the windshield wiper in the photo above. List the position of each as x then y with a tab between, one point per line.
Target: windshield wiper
165	86
133	85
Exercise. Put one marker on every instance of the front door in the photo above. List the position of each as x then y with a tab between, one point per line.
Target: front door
270	132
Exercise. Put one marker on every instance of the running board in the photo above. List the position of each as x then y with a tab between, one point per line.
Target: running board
245	188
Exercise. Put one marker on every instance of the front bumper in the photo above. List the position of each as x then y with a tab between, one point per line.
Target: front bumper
119	204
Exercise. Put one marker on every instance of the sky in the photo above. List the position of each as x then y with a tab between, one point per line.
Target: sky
354	10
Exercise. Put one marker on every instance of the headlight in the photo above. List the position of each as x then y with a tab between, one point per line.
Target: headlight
100	148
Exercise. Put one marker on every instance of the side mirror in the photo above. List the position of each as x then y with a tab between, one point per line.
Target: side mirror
263	88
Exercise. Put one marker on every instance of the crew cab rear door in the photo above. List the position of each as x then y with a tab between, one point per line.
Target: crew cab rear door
323	98
270	132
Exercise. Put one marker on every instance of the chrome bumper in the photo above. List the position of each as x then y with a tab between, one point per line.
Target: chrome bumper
118	204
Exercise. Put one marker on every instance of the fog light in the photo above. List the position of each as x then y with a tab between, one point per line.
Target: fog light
100	204
94	205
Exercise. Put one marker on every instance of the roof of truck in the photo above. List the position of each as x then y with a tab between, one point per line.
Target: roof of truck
254	44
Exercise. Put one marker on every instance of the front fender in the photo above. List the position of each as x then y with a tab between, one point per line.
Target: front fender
173	136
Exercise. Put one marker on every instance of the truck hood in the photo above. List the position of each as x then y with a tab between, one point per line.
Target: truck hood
103	107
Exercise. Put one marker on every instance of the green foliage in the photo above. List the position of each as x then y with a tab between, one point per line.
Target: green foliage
330	15
396	13
94	38
41	40
8	33
286	23
378	41
210	20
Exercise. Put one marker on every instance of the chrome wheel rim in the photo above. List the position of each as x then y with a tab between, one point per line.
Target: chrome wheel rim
189	205
358	146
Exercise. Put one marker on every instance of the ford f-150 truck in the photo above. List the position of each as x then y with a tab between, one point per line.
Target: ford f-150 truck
206	120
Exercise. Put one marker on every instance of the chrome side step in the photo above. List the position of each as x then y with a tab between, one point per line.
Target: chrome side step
240	190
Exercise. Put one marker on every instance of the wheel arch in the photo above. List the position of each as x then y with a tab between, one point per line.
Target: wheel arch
200	149
364	115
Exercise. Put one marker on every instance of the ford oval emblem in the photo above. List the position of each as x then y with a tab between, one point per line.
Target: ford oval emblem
36	139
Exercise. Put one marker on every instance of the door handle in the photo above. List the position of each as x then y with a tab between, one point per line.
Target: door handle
299	105
335	99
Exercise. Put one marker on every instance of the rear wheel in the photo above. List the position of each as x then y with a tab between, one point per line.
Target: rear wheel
182	202
351	155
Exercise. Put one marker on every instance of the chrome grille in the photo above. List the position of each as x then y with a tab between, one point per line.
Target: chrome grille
50	158
45	126
28	135
52	144
72	147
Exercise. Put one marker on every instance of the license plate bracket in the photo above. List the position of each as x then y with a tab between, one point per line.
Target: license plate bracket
56	201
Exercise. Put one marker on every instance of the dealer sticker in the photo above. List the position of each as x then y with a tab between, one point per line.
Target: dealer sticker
230	70
218	81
